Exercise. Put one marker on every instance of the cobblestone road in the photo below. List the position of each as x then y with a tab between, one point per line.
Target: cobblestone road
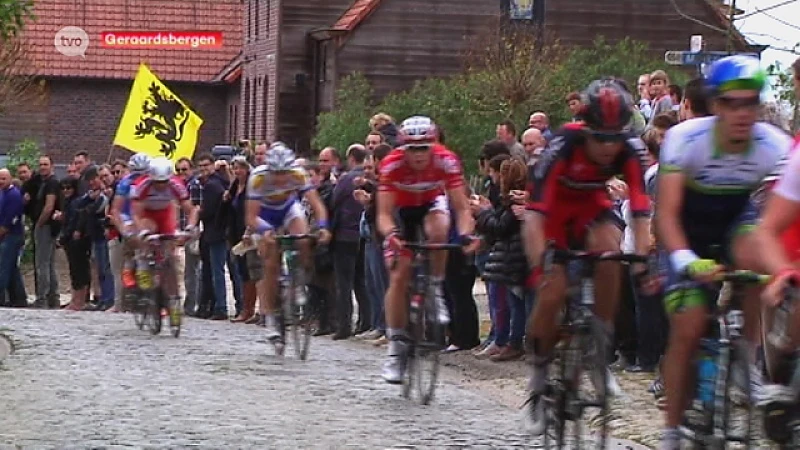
90	380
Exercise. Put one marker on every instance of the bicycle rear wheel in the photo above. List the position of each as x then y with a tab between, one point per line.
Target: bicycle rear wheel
153	299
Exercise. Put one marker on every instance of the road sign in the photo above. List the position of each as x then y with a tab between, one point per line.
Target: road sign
696	43
684	58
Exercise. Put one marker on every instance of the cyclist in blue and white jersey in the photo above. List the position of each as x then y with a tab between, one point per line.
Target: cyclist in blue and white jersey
121	211
708	169
274	191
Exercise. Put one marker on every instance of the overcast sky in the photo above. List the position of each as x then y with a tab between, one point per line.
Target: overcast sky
766	28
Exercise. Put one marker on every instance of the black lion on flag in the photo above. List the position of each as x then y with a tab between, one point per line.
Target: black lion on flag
164	118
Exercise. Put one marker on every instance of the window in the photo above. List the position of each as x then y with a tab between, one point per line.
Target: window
265	107
246	128
258	18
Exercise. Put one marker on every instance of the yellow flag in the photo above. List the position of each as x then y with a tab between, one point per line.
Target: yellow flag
156	121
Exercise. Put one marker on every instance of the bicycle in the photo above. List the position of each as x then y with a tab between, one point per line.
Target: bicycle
152	299
710	422
296	310
581	350
427	333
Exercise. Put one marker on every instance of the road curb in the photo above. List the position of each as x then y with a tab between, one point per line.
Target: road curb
6	347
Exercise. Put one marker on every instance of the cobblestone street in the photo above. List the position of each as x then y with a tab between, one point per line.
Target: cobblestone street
90	380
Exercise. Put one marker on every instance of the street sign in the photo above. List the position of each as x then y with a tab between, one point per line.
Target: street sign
696	43
684	58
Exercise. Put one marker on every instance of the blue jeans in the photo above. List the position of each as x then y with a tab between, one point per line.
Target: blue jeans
377	280
236	280
218	255
104	275
10	247
517	305
498	311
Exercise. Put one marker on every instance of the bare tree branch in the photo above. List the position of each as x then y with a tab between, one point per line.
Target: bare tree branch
17	85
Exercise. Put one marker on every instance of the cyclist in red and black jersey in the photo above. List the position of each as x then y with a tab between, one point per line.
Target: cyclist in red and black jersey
416	182
569	205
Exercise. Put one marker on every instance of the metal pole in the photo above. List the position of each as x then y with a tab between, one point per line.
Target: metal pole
731	14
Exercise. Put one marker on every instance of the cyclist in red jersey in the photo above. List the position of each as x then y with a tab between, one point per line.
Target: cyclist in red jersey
416	182
569	204
154	202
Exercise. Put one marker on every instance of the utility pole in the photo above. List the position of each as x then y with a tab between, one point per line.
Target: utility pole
731	16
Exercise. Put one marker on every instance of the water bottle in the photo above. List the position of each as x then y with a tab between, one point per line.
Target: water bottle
143	278
706	378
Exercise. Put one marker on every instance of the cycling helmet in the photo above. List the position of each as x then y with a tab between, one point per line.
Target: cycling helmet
736	72
161	169
139	162
417	130
280	157
607	106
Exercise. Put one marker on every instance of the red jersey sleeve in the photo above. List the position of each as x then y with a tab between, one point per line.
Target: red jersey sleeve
179	189
633	170
451	166
387	171
543	176
139	189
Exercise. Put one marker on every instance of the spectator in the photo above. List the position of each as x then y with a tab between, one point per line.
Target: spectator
695	100
490	150
45	230
116	254
322	287
533	142
189	255
119	169
249	265
260	155
384	124
659	82
213	248
82	163
373	140
348	249
12	236
92	205
507	266
72	171
30	186
507	134
643	88
76	244
329	162
541	122
675	96
376	275
574	104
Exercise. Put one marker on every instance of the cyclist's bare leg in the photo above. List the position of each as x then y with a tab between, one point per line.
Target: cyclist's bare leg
270	252
395	301
746	253
542	332
298	225
687	328
170	278
437	230
606	237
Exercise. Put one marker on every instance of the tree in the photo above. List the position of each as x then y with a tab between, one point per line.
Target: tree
782	83
17	85
13	14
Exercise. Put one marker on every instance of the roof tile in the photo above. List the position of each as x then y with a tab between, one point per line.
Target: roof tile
191	65
357	13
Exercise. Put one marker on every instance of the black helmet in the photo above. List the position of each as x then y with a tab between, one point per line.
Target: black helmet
607	106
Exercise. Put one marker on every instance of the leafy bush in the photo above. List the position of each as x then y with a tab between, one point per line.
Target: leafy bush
26	151
504	79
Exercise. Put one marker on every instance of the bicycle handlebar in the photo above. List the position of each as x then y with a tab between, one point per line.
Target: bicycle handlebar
428	246
166	237
296	237
744	276
564	256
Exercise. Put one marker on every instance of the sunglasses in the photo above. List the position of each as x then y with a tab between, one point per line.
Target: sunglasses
736	103
605	138
418	147
117	172
184	169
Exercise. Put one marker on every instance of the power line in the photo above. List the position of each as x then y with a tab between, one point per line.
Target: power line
697	21
781	21
759	11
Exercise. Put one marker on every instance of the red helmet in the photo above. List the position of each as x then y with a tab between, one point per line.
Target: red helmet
607	106
417	130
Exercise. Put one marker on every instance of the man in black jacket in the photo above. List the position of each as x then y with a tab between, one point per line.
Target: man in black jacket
348	254
213	249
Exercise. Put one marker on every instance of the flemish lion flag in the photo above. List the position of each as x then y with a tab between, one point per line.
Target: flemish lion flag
156	121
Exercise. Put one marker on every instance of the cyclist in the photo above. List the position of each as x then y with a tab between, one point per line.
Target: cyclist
273	202
121	212
416	181
709	168
155	199
569	199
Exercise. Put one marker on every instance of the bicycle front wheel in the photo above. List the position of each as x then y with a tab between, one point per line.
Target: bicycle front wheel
428	345
175	317
153	299
138	306
301	320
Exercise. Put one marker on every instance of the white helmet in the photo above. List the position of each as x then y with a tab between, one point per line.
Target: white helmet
139	162
280	157
161	169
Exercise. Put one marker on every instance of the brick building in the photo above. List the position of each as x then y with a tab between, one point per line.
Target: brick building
84	97
281	61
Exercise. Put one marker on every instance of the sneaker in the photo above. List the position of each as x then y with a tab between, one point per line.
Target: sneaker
369	335
380	342
481	347
128	278
490	350
533	415
394	369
